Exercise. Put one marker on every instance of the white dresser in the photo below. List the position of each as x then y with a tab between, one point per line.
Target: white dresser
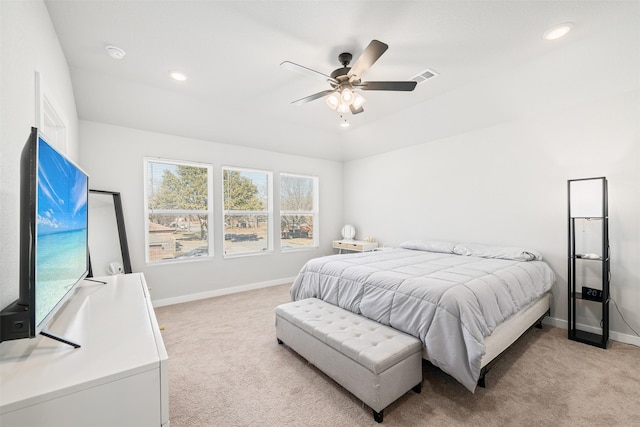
118	377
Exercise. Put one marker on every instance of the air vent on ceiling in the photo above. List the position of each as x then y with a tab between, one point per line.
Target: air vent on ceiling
423	76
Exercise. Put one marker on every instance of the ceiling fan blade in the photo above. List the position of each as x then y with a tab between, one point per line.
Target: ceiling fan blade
397	86
367	58
308	72
312	97
355	110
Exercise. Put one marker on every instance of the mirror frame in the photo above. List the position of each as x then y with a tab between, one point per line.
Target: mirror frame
122	233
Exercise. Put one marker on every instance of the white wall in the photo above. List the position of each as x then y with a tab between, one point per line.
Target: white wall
113	157
507	185
28	44
504	184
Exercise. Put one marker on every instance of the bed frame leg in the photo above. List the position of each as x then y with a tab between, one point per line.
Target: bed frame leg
377	416
481	382
483	372
539	324
417	388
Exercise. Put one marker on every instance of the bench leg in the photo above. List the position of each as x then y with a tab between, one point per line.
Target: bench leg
417	388
377	416
279	341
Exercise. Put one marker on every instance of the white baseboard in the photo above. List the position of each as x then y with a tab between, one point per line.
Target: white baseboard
560	323
220	292
616	336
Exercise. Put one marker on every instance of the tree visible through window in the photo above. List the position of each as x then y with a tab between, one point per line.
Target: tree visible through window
178	210
298	211
247	211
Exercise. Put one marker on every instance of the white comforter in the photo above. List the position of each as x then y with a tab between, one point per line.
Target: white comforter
450	302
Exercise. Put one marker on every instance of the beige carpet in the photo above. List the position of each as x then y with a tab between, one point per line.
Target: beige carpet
226	369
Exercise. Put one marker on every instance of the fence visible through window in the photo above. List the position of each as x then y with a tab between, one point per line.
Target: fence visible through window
178	210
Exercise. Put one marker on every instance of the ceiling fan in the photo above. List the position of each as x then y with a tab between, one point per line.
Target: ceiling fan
342	96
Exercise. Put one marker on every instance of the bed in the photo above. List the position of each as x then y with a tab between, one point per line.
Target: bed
466	302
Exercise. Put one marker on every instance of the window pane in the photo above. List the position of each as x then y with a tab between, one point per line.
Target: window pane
298	211
172	236
245	233
175	186
247	211
297	231
245	190
178	210
296	193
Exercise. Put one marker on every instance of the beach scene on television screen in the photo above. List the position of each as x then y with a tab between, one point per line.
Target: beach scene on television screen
61	230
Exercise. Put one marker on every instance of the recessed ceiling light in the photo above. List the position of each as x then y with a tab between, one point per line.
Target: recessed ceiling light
115	52
177	75
558	31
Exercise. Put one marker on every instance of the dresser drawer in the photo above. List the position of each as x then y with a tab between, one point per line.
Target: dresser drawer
355	245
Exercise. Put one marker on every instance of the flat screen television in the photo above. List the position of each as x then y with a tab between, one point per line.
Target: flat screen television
54	255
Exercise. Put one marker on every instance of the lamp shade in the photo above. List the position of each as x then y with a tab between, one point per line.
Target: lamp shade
333	100
358	100
346	96
343	108
585	198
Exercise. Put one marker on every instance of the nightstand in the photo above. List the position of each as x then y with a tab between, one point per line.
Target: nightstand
354	245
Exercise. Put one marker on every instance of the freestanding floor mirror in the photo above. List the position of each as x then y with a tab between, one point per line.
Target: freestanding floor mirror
108	247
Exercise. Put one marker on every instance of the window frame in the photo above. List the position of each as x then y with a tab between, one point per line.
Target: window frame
147	211
268	212
314	213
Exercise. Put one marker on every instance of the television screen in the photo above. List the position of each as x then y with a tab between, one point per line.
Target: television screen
61	257
54	255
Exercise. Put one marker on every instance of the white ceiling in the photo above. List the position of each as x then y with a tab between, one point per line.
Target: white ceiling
494	66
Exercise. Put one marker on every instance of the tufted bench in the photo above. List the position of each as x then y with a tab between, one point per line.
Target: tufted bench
376	363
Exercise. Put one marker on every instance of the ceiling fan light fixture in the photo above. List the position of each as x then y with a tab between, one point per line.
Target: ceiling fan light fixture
343	96
343	108
358	100
333	100
346	96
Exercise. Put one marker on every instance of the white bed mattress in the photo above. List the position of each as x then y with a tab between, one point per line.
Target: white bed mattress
511	329
508	332
450	302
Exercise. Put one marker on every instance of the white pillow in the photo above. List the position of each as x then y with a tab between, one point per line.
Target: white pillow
429	246
501	252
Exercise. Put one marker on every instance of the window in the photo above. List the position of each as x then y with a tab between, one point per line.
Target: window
298	211
178	210
247	211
